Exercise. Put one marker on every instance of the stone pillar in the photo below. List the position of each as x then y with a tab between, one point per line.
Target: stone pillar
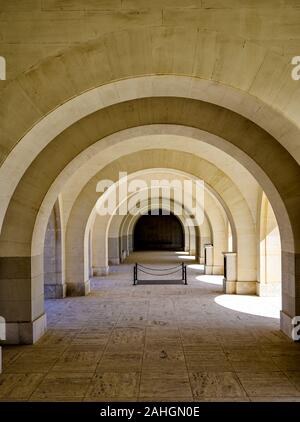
55	290
100	270
198	249
22	298
54	286
123	255
208	259
124	248
90	255
130	243
2	338
269	256
230	272
203	241
100	246
113	251
77	274
78	289
268	289
290	291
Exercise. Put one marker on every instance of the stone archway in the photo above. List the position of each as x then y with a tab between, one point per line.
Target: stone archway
257	136
101	225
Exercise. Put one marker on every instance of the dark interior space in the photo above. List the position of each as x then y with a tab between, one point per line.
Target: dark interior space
158	232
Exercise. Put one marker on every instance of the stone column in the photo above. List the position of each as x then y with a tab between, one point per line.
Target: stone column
203	241
130	243
230	272
268	289
198	248
2	338
54	286
124	248
208	259
77	273
290	291
22	298
100	247
99	271
113	251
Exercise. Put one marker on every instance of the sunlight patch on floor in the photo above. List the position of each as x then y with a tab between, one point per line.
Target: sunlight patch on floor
199	267
254	305
211	279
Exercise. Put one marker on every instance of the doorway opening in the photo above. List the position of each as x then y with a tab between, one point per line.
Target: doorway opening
158	230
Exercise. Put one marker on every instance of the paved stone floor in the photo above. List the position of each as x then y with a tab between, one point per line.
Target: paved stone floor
173	343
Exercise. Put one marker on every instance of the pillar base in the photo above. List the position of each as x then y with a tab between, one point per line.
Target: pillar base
55	291
239	287
114	261
268	290
100	271
78	289
218	270
287	326
25	332
246	287
124	255
208	269
229	287
213	269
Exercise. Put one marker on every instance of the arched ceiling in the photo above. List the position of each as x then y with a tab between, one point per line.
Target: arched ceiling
226	61
237	73
234	66
169	137
174	162
84	104
234	134
48	28
207	201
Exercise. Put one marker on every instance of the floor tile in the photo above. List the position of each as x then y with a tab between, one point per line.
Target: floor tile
113	385
146	343
79	361
63	384
165	384
121	361
18	386
34	361
267	384
218	384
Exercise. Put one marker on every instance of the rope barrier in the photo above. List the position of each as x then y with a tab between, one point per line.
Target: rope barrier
159	269
145	272
149	271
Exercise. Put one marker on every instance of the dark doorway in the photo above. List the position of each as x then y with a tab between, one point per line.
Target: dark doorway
158	232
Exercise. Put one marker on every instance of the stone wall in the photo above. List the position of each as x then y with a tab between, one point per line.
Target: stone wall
31	30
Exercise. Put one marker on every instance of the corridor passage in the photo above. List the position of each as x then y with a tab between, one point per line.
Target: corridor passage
156	342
